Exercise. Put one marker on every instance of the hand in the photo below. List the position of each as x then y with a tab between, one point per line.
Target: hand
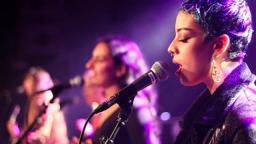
36	138
13	129
74	140
11	125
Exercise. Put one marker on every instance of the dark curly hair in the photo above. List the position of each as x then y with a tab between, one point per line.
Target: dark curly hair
231	17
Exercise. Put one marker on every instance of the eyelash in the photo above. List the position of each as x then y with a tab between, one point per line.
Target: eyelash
185	40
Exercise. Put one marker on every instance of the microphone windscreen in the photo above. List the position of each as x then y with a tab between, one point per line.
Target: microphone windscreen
162	70
76	81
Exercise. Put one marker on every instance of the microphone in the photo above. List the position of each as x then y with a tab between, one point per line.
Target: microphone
159	71
73	82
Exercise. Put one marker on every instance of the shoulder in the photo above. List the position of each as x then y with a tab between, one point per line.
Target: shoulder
244	106
245	102
242	115
240	121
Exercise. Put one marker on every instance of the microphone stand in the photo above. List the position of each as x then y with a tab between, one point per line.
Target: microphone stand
126	108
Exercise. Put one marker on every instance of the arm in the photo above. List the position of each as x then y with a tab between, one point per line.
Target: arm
59	129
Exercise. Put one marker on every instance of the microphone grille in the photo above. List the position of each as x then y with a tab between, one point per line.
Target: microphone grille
162	70
76	81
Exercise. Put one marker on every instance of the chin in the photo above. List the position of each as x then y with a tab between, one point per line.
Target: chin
186	82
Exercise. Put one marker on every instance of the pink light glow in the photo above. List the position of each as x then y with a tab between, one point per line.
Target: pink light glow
89	130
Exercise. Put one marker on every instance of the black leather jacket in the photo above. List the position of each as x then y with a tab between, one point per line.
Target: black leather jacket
226	117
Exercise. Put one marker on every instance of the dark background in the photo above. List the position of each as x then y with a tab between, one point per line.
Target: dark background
59	35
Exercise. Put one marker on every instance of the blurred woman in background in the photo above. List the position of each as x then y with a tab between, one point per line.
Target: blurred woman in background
116	62
51	128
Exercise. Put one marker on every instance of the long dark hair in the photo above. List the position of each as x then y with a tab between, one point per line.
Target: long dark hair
127	52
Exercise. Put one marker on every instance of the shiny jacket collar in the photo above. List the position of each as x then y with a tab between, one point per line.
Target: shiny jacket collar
210	110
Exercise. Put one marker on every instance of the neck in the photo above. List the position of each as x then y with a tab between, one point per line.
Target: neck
99	119
226	67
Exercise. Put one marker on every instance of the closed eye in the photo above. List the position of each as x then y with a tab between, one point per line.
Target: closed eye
184	40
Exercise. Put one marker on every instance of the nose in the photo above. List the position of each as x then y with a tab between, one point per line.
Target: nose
89	64
172	49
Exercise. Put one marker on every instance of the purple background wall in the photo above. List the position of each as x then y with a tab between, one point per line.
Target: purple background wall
59	35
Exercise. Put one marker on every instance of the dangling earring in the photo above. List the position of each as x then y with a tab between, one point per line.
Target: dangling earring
215	73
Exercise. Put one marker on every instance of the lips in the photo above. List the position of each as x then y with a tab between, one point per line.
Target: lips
178	71
179	68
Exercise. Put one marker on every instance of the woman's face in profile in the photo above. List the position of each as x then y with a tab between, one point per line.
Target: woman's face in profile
102	66
41	81
190	51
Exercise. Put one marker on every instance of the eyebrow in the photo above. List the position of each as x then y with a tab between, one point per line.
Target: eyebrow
186	29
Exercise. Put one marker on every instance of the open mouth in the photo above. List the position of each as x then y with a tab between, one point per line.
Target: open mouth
178	71
178	67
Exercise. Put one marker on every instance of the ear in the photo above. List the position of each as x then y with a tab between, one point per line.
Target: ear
221	44
121	71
